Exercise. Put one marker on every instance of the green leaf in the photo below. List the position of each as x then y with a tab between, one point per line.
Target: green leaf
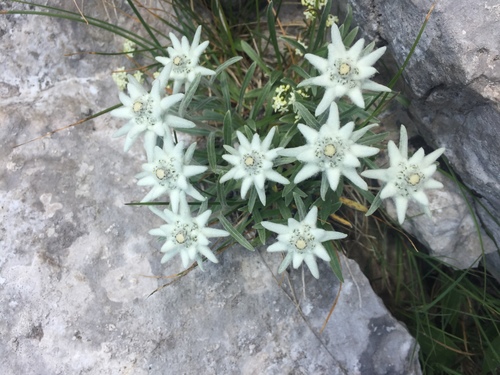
226	95
374	205
145	25
272	32
212	157
350	37
308	118
284	210
227	128
252	198
245	83
254	56
286	262
324	186
223	67
334	261
301	208
257	218
221	196
237	236
188	97
372	138
320	36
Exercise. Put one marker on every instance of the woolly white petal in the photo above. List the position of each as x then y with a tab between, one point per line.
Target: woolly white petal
123	112
362	151
309	133
353	176
372	58
355	51
298	258
376	174
273	227
311	263
333	175
266	143
374	86
169	255
312	216
262	195
214	232
401	206
432	157
432	184
179	122
320	251
421	198
306	172
276	177
318	62
208	254
394	154
245	186
389	190
277	247
329	96
356	97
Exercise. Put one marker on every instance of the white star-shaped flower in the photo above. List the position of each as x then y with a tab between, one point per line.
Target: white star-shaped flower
147	113
169	173
407	179
184	58
344	72
332	150
186	235
253	162
302	240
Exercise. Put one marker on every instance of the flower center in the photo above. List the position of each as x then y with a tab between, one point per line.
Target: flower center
344	69
160	173
185	234
180	238
166	173
252	162
143	109
413	179
177	60
302	239
409	178
137	106
181	64
343	72
329	150
249	161
300	244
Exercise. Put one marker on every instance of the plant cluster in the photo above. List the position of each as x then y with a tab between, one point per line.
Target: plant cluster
299	151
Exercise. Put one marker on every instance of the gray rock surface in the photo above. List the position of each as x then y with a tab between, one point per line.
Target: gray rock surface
77	265
453	81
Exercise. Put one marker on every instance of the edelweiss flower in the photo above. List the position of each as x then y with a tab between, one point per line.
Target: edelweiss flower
185	61
186	235
169	173
147	113
333	150
407	178
302	241
344	72
253	163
